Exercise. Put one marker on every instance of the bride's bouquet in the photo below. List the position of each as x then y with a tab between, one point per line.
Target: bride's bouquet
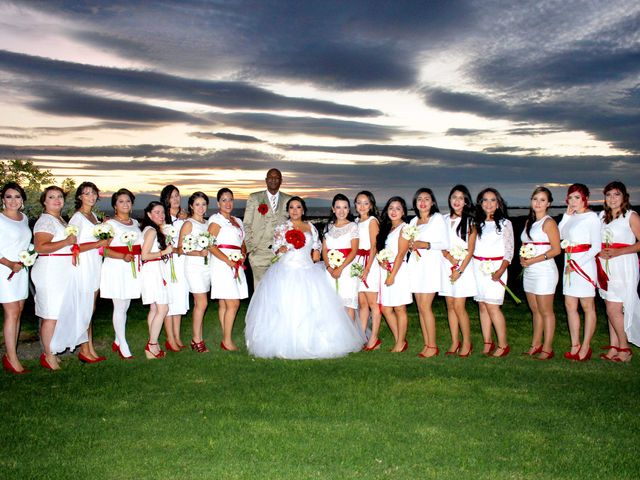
527	251
289	237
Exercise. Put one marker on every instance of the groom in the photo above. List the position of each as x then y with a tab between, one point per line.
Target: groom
265	210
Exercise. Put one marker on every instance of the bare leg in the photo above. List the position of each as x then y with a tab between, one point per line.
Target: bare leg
427	323
231	308
537	321
589	308
177	322
157	313
376	318
545	306
363	311
615	314
47	327
169	330
485	325
400	314
573	319
500	326
460	309
200	302
454	326
351	312
11	329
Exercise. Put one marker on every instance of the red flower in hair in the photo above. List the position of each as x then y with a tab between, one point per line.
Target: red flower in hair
263	208
296	238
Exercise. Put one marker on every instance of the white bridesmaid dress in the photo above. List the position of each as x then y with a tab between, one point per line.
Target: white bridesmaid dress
424	270
90	261
540	278
339	238
16	237
180	289
196	271
492	244
116	278
223	283
155	277
466	285
581	229
372	282
398	293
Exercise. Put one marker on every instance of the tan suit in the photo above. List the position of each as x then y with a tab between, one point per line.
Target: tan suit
259	230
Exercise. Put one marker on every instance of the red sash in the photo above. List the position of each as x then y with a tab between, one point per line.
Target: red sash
493	259
136	250
536	243
239	264
581	248
365	255
603	278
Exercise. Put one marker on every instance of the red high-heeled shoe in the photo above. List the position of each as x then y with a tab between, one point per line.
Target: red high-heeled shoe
422	355
199	347
586	358
169	347
44	363
149	354
572	356
491	348
224	347
374	347
535	351
115	347
549	355
84	359
6	364
454	351
468	354
505	351
617	359
405	346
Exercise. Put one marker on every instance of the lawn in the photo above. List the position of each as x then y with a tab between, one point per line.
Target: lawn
370	415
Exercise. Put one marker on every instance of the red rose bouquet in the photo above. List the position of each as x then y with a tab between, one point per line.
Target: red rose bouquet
295	238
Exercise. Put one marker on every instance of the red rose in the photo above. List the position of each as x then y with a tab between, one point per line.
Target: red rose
296	238
263	208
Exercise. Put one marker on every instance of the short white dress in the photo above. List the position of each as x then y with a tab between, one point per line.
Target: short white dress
372	282
60	294
223	282
90	264
581	229
540	278
623	274
493	244
339	238
155	277
15	237
425	269
296	314
398	293
179	290
196	270
465	286
116	277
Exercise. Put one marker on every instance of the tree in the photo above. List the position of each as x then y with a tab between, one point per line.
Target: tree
34	180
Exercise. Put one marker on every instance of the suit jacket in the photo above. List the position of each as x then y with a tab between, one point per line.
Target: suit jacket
259	228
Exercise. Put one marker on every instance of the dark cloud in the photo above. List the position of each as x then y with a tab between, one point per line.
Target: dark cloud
464	132
154	85
226	136
507	149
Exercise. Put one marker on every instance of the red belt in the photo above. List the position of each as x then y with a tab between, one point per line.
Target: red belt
230	247
344	251
493	259
239	264
55	254
365	255
135	250
616	245
583	247
536	243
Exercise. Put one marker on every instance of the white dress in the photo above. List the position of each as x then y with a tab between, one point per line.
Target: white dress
623	275
60	294
179	290
15	237
372	282
492	244
155	277
340	239
116	278
296	314
398	293
540	278
196	271
465	286
90	261
425	270
581	229
223	283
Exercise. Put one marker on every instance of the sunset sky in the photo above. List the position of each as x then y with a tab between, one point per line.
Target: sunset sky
340	95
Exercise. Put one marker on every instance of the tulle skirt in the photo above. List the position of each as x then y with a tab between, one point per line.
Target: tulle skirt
295	313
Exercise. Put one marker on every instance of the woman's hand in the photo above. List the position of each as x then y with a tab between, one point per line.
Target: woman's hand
202	253
455	275
495	276
283	249
390	280
335	272
128	257
526	262
609	253
15	266
167	250
105	242
71	240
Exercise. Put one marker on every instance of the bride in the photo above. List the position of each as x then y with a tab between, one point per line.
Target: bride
295	312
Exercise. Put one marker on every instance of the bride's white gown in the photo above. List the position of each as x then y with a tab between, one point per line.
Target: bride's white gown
295	312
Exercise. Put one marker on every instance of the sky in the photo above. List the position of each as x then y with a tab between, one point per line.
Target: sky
339	95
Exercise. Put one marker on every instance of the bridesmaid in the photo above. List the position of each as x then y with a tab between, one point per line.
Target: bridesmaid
580	230
230	285
90	263
341	234
155	275
619	257
426	258
456	285
494	250
196	266
170	199
369	286
15	238
394	291
540	272
120	279
53	277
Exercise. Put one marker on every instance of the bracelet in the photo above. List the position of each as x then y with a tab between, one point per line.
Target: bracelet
429	247
545	256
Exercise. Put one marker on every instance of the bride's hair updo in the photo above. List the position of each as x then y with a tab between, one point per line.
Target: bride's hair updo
304	205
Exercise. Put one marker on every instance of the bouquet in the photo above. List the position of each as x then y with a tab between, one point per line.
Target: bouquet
26	258
75	248
288	237
295	238
103	231
607	239
385	258
527	251
170	233
189	243
459	254
336	259
564	245
357	271
238	260
486	267
129	238
411	232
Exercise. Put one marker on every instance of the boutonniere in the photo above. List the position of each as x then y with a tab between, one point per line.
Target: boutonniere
263	208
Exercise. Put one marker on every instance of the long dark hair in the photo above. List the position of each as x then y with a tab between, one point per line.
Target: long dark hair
468	211
624	207
193	197
332	216
165	200
434	206
501	211
302	202
146	222
373	210
80	189
385	221
531	218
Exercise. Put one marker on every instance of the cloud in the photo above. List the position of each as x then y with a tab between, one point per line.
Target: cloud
226	136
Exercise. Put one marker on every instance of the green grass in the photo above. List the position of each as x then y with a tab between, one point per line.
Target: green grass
370	415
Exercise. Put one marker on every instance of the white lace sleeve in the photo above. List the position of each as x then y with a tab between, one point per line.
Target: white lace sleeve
507	238
279	239
353	230
316	238
45	224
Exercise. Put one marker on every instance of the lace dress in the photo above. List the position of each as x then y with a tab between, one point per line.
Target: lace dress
424	270
295	313
339	238
493	246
